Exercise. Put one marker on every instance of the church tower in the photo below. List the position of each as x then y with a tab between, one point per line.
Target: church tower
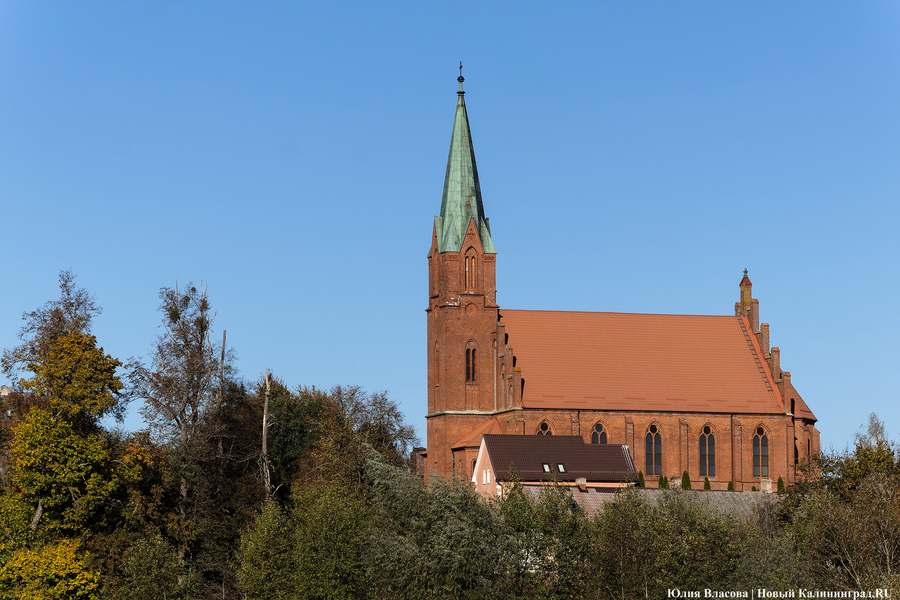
462	310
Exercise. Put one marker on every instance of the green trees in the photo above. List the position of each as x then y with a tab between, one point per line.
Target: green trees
855	544
641	549
549	538
440	541
286	553
351	426
622	550
151	570
685	481
63	474
845	515
266	562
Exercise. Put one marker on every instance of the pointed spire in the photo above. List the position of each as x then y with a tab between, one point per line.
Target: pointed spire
461	201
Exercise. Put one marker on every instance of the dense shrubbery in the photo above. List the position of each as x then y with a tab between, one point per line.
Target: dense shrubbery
182	511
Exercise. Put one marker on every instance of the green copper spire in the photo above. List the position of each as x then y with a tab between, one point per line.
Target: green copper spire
461	201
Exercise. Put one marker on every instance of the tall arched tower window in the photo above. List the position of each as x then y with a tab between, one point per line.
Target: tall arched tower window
471	362
760	453
707	452
470	269
654	451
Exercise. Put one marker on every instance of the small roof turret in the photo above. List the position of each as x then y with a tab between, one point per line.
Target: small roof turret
461	200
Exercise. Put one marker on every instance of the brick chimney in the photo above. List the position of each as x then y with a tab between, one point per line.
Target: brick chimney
775	363
763	336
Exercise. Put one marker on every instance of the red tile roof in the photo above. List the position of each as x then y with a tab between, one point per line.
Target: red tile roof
619	361
801	408
473	439
526	455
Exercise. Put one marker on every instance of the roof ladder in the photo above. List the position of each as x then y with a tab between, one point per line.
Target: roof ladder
759	366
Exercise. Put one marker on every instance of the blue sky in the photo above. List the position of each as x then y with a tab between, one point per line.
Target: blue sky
634	157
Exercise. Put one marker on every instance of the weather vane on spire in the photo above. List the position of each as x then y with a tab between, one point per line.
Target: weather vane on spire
460	79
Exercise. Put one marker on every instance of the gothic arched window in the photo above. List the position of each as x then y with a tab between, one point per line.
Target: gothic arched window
707	453
760	453
598	434
544	429
654	451
470	364
470	269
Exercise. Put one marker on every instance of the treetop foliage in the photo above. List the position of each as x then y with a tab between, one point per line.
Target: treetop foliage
71	313
78	379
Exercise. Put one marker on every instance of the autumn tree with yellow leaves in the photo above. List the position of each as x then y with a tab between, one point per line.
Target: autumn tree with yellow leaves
61	472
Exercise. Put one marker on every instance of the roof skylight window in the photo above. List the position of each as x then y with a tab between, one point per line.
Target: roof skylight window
546	467
560	468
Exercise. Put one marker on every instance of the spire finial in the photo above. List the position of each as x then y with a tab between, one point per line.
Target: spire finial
745	272
460	79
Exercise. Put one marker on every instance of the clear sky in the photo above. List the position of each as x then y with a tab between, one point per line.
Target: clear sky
633	157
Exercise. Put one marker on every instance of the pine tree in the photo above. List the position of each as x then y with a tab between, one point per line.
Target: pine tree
780	484
641	479
730	486
685	481
706	485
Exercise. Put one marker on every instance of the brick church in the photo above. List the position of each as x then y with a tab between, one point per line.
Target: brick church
698	393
